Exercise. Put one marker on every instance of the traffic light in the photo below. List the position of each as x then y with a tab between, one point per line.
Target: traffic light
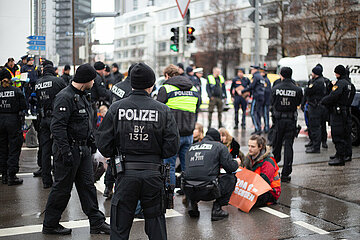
175	39
189	34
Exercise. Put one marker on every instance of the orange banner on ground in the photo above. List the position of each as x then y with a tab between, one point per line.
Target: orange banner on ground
249	186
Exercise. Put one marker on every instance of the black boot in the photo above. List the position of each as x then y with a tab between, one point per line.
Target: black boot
348	159
38	173
193	209
217	213
4	178
324	145
339	161
59	230
333	156
312	150
108	192
236	127
104	228
14	180
309	144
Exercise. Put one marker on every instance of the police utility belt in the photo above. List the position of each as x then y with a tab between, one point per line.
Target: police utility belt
132	163
78	142
285	115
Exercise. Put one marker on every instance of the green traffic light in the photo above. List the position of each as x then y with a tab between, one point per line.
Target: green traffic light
174	47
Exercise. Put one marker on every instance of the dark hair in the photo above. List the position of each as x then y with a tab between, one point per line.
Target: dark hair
11	60
261	141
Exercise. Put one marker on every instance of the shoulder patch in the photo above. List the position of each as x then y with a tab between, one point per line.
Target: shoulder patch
62	109
334	87
311	85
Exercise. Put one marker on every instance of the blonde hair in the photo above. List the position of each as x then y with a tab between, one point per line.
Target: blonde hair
171	71
229	138
200	128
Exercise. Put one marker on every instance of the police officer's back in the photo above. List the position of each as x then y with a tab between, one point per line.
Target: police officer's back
202	179
12	103
46	89
122	89
71	128
139	132
99	91
286	97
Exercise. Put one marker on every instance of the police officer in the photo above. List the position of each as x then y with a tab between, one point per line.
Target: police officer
179	94
71	128
122	89
141	132
338	102
267	99
202	178
108	78
286	97
33	75
239	83
314	92
216	91
12	105
66	74
257	87
46	89
118	77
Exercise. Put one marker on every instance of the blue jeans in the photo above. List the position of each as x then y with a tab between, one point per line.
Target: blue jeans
185	143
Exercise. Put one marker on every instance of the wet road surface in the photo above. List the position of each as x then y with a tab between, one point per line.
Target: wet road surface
321	202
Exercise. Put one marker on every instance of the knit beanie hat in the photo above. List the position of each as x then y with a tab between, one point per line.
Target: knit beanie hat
340	69
317	70
214	134
5	74
142	76
85	73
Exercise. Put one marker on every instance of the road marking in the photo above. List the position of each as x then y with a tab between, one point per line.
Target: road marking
311	227
13	231
24	174
274	212
29	149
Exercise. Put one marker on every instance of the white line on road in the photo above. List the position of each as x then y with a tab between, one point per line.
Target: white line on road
5	232
311	227
29	149
24	174
274	212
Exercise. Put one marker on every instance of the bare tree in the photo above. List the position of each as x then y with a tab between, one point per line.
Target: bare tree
220	36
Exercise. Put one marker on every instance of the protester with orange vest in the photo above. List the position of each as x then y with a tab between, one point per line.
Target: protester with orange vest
14	71
261	161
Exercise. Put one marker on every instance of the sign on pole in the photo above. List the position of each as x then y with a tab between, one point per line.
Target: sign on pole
37	43
42	48
183	6
41	38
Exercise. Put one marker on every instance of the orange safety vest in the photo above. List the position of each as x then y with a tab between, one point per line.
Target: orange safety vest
17	75
276	181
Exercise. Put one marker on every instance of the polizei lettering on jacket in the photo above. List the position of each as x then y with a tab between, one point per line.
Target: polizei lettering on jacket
287	93
43	85
184	93
201	147
144	115
6	94
118	91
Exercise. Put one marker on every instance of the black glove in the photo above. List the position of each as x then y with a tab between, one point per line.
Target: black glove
68	159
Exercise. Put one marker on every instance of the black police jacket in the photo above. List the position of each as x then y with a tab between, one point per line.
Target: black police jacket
267	93
99	91
236	82
315	91
286	96
203	160
121	89
72	118
141	128
341	95
12	100
118	77
67	78
46	89
33	72
257	86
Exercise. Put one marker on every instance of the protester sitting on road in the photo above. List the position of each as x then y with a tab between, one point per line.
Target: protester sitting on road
198	133
230	142
261	161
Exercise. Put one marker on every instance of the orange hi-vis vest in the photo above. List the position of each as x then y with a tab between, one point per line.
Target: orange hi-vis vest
17	83
276	183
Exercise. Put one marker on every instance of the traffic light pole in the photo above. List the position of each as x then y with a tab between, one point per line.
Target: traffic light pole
184	46
257	27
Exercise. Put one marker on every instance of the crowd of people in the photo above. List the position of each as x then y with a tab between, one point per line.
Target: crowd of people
99	111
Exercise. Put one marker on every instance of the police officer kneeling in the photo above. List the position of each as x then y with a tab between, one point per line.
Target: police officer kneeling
202	178
139	132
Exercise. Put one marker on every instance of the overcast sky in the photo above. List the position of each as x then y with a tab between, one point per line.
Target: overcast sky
104	27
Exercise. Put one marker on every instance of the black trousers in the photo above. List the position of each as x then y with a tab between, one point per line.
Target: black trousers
109	178
11	140
146	186
227	185
239	101
315	120
45	144
340	132
324	119
348	139
285	133
82	174
263	199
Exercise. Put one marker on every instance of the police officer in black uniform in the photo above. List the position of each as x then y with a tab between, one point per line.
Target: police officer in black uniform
339	102
267	99
202	179
122	89
286	97
12	105
71	128
139	132
238	83
314	92
46	89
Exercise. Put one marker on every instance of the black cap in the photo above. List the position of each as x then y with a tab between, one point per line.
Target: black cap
214	134
180	65
319	65
115	65
340	69
317	70
30	59
99	65
255	66
189	69
24	57
286	72
85	73
5	74
47	62
67	67
142	76
241	69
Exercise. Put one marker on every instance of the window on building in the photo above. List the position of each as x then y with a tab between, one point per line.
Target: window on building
162	46
135	5
43	21
125	54
43	5
132	28
126	42
162	61
141	52
273	32
133	53
140	39
272	53
133	41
